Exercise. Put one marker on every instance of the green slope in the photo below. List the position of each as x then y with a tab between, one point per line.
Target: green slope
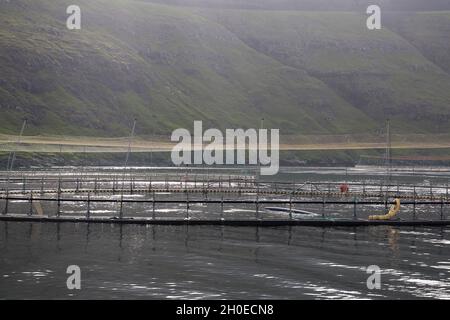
429	32
379	72
168	66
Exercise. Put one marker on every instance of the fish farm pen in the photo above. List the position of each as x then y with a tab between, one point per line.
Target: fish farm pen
143	197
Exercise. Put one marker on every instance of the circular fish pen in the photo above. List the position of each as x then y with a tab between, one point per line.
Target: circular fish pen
203	198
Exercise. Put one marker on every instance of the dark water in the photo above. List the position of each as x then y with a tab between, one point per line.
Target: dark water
153	262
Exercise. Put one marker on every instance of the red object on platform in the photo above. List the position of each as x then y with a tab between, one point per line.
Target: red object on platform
344	188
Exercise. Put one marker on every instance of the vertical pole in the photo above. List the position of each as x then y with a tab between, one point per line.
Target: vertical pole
58	205
114	185
431	190
257	207
221	209
257	201
354	207
290	207
446	192
88	213
258	173
11	167
153	202
30	213
187	206
121	206
5	211
442	208
323	207
83	168
8	161
388	149
130	140
131	185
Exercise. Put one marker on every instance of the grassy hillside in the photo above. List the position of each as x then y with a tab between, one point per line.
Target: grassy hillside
429	32
167	66
378	72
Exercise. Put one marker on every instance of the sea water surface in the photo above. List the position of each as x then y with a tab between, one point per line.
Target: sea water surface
213	262
172	262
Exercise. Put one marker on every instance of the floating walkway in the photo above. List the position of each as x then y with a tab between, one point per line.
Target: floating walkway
214	190
207	184
38	198
234	223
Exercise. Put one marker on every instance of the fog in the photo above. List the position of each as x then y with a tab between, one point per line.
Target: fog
344	5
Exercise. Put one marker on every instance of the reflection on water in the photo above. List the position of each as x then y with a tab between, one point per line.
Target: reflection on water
393	236
198	262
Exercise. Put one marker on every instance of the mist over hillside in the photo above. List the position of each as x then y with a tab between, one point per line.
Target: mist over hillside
167	65
331	5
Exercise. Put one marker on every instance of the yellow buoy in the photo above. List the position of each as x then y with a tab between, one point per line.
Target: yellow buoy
392	212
